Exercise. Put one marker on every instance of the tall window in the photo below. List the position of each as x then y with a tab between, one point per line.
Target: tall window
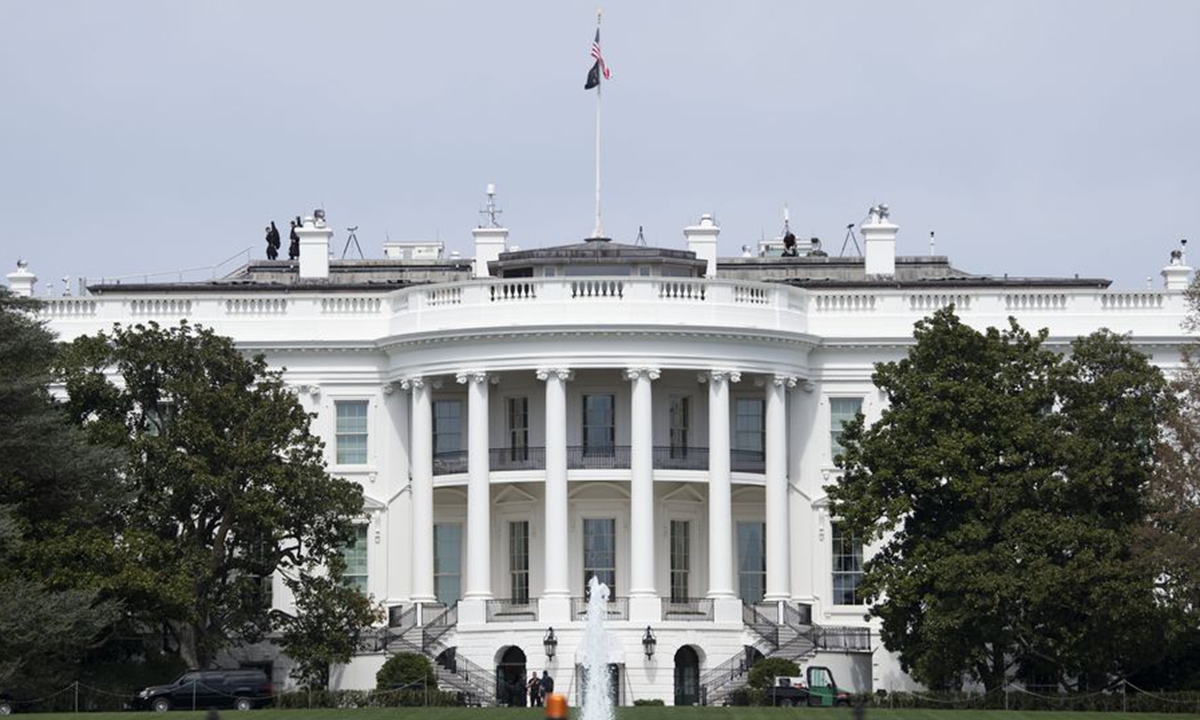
518	559
447	562
599	426
447	426
518	428
681	559
749	430
351	432
752	560
841	411
680	425
600	552
354	553
847	566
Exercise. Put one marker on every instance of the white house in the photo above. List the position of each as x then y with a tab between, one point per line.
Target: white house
664	419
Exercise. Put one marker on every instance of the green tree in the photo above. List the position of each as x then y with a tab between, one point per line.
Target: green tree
325	631
1003	483
763	673
406	670
55	489
226	483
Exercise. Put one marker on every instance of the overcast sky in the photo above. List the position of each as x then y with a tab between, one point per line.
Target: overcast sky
1035	137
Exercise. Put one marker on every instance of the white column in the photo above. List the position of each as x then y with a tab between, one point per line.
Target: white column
643	592
720	503
778	555
396	479
479	501
554	605
422	490
802	409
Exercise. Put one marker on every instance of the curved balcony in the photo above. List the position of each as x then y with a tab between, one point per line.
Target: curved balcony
610	457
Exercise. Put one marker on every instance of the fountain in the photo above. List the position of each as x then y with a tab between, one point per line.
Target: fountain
597	695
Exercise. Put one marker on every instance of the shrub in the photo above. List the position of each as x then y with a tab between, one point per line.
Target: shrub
763	673
406	670
642	702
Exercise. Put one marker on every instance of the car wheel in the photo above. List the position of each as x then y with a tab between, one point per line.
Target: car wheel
241	703
786	702
160	705
6	707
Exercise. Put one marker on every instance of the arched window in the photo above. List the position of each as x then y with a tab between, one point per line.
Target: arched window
687	676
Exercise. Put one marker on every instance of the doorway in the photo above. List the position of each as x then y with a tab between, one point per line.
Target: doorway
687	676
510	678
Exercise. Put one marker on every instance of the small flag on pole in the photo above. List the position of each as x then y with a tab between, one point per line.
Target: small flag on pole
599	67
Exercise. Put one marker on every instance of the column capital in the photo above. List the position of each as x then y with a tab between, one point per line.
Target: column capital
414	381
389	387
788	381
471	376
634	373
313	391
564	374
720	376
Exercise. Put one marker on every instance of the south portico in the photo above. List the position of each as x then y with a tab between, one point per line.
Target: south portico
639	431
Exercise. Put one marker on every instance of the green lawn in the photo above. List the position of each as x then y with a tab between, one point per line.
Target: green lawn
630	713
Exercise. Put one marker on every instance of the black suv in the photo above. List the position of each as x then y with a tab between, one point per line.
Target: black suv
203	689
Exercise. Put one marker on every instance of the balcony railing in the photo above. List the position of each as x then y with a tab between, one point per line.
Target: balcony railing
617	608
753	461
605	457
450	462
519	458
842	638
680	458
510	610
699	610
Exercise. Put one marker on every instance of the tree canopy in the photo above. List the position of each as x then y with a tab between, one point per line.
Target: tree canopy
225	483
1003	485
53	486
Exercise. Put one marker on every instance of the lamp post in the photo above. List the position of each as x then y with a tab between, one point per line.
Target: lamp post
550	643
648	642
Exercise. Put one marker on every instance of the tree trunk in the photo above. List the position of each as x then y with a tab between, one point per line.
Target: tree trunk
185	633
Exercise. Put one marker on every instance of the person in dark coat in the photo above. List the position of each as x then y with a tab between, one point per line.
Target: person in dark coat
294	247
789	246
272	253
547	684
272	241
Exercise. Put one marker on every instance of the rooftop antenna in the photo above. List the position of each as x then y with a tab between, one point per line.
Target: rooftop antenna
491	210
352	239
932	244
66	282
641	239
786	228
850	238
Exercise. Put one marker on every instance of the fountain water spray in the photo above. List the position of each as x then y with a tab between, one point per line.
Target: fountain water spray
597	696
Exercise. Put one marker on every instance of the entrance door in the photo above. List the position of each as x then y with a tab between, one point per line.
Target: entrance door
687	676
510	678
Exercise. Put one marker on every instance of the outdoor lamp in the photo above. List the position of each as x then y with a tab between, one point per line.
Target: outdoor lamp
550	643
649	641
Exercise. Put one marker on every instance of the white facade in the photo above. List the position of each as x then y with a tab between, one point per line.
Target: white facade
499	425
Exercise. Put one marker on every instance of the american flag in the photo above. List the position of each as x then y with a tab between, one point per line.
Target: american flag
599	67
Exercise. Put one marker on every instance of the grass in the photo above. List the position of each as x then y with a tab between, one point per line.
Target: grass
631	713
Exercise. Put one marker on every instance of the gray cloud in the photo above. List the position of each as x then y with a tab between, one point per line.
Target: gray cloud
1035	138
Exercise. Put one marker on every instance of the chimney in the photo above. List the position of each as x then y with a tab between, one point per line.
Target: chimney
314	235
879	236
490	239
22	281
702	240
1176	275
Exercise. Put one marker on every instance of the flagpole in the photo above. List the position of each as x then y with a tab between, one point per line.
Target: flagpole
599	231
